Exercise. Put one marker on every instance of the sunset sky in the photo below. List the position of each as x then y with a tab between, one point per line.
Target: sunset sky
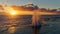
40	3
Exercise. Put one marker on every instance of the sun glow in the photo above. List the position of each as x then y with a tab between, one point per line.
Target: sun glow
13	12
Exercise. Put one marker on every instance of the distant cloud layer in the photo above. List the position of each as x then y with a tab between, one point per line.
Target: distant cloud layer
40	3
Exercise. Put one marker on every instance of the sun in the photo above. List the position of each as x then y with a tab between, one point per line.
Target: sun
13	13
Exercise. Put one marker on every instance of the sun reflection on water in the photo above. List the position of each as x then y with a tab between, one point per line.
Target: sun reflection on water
12	29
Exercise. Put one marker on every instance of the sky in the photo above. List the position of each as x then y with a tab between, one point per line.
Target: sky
41	3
